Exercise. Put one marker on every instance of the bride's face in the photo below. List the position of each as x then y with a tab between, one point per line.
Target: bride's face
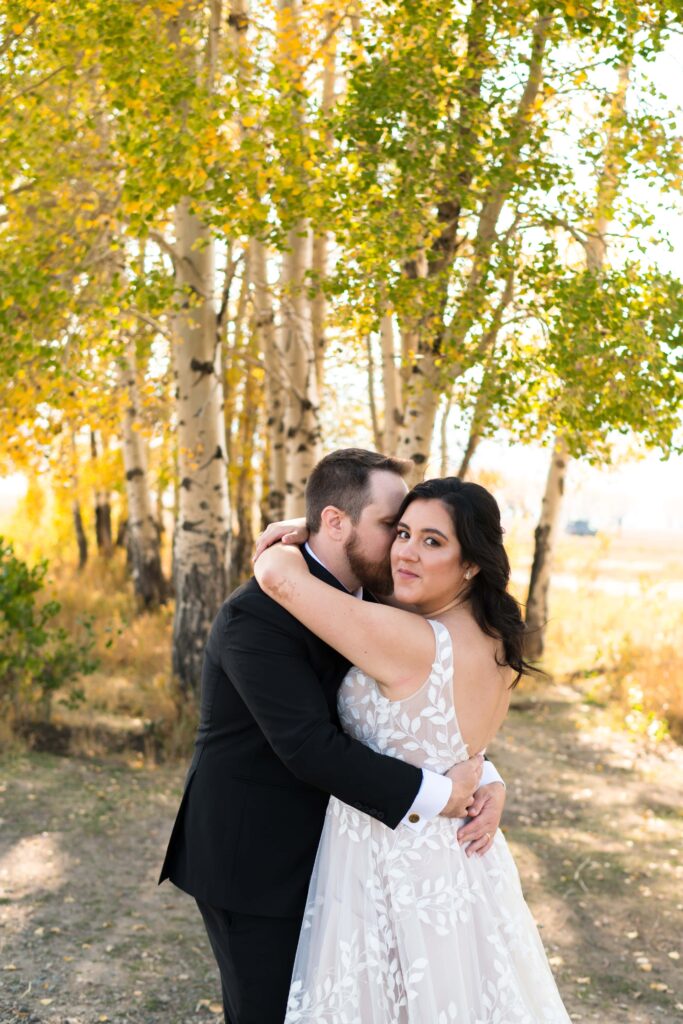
426	560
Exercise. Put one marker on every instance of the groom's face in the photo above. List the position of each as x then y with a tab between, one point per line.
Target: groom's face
369	544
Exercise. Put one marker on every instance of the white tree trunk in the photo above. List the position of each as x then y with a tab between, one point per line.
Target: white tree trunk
321	241
142	531
595	244
544	543
415	439
377	432
295	328
200	564
443	434
264	322
302	425
420	398
391	382
319	260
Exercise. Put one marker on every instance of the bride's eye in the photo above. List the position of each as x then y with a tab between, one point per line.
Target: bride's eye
402	534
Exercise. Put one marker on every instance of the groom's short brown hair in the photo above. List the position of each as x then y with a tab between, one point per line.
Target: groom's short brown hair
342	479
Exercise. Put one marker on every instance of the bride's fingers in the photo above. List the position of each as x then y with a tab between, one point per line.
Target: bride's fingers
480	845
264	541
477	805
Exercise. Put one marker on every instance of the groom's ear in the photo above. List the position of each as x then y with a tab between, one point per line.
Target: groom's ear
334	522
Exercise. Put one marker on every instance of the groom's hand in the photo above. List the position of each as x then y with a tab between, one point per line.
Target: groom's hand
485	813
465	777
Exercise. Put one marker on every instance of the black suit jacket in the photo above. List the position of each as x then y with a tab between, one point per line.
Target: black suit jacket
268	753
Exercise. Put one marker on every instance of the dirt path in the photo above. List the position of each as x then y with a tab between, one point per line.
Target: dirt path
595	824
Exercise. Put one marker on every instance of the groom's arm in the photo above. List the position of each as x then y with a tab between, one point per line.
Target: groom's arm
265	655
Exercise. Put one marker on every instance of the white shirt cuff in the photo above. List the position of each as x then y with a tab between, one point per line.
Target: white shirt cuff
432	796
490	774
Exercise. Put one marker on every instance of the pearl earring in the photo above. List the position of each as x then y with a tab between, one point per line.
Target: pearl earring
468	575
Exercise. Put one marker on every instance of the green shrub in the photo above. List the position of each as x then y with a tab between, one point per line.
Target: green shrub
37	657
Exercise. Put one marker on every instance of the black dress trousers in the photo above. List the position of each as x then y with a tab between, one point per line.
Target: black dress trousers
255	956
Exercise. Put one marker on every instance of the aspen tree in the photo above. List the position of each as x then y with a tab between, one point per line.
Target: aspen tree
595	247
142	531
428	337
200	544
295	328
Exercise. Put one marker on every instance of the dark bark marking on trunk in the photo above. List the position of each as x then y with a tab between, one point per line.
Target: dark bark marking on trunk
203	368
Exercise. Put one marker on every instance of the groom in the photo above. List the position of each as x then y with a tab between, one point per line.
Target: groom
270	750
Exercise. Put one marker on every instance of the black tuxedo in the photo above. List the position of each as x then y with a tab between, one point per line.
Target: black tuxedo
268	753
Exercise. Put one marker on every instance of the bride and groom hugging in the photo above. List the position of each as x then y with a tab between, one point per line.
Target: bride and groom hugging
341	845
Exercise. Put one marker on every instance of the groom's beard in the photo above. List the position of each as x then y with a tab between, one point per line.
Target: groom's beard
375	577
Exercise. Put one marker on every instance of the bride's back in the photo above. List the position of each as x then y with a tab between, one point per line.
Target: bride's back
424	727
481	685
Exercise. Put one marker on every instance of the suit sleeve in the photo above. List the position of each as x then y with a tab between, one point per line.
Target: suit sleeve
269	666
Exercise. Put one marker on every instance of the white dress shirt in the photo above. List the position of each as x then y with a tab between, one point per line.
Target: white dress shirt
435	790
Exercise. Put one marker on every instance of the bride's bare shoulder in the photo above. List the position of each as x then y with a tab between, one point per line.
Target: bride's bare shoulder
476	656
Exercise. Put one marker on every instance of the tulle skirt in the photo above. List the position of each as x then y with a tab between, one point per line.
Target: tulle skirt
403	928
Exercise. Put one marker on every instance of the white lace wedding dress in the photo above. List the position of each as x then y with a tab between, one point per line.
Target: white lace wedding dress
401	927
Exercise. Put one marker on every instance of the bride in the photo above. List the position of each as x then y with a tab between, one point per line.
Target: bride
405	928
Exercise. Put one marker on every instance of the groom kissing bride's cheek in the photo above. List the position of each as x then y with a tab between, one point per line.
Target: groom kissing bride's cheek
340	842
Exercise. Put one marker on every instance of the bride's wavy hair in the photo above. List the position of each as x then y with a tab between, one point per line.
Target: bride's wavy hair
476	522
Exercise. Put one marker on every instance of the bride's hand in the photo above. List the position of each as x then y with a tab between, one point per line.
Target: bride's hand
278	566
288	531
485	813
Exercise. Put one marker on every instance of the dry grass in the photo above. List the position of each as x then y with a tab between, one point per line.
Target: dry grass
616	619
132	646
644	691
133	687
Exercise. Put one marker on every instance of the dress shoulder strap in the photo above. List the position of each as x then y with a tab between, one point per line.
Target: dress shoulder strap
443	656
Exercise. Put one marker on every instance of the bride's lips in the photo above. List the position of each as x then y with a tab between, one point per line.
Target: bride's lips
405	574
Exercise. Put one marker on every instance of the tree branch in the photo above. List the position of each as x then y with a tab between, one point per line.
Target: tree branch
32	87
151	322
7	44
165	246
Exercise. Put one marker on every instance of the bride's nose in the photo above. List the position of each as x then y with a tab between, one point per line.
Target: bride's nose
408	551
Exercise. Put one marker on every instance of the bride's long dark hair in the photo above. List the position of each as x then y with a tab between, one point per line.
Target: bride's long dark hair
476	522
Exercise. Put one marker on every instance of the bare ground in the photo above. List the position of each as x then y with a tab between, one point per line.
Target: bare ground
594	819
